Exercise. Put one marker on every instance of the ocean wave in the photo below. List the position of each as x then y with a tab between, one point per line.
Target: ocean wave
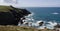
30	21
30	15
55	13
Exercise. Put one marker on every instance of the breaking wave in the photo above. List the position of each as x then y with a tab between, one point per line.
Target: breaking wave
31	22
55	13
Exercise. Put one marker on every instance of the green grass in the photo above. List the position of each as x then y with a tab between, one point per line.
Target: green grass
20	28
16	28
5	8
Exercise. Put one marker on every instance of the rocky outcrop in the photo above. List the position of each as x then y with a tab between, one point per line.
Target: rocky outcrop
57	26
10	15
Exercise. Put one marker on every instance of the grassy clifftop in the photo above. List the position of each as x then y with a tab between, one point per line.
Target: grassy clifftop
16	28
20	28
5	8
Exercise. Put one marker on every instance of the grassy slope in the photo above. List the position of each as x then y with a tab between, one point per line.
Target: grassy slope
4	8
16	28
20	28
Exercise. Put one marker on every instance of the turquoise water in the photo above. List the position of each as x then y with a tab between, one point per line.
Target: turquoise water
45	13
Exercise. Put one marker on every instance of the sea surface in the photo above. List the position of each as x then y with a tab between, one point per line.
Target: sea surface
45	13
50	15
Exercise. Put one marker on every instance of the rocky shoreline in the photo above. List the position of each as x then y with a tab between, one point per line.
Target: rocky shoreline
10	15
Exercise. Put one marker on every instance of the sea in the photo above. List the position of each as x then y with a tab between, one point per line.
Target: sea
46	14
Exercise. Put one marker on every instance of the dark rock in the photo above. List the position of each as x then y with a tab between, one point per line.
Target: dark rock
41	23
12	16
57	26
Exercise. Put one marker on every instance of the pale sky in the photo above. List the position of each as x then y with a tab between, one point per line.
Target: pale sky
35	3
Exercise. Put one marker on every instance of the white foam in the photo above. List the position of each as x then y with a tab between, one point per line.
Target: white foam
55	13
30	24
30	18
30	15
39	21
52	23
50	27
36	23
41	27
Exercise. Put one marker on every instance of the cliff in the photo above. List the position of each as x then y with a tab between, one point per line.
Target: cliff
10	15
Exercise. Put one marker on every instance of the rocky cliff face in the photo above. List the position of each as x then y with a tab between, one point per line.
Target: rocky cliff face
11	16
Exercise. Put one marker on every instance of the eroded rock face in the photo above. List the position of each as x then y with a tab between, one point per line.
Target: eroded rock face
12	16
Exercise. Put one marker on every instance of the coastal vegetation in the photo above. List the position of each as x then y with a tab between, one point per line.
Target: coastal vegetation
21	28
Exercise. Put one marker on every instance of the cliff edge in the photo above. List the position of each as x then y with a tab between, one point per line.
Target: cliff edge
10	15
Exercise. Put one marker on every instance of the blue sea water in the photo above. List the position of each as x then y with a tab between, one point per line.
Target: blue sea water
45	13
49	15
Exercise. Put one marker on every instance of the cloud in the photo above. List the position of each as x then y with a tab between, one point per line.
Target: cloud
32	3
38	3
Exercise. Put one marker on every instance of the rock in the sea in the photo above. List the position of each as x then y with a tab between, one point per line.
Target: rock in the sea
57	26
10	15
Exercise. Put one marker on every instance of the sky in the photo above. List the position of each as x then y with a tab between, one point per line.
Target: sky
40	3
34	3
